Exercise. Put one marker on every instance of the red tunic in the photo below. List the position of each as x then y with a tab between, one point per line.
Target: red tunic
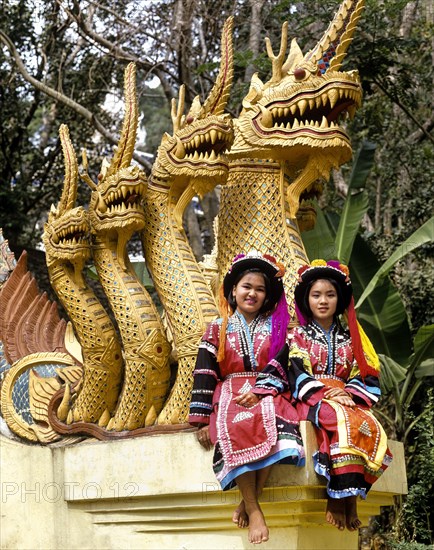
245	438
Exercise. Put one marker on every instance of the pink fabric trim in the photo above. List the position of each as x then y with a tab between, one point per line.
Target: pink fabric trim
279	326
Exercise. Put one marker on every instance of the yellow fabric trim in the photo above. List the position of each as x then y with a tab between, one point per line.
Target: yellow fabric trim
344	447
368	349
304	356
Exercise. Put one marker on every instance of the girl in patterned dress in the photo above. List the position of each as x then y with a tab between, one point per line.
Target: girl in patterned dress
333	376
251	425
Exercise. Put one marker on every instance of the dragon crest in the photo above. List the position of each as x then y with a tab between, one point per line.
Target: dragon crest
190	162
194	155
297	115
66	233
116	201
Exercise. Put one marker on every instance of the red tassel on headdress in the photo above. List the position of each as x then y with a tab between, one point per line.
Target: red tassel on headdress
364	367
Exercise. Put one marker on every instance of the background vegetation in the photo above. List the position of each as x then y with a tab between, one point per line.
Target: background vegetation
62	61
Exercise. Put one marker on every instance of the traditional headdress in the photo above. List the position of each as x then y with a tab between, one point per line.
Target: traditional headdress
364	351
276	301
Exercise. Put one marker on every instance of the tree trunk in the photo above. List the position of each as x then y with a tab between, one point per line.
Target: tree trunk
181	42
408	17
378	205
255	35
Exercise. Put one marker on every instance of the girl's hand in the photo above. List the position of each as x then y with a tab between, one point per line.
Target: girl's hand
344	400
203	438
247	399
332	392
340	396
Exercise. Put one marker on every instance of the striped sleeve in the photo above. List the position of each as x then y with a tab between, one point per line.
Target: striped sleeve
205	377
303	384
365	392
273	380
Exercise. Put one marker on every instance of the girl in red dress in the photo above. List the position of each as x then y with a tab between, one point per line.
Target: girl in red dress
252	425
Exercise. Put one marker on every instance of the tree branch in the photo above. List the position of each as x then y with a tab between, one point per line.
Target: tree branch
57	96
406	111
116	51
420	134
121	20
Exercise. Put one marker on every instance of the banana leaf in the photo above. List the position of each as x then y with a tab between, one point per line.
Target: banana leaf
382	314
356	204
426	368
391	373
362	165
319	242
91	273
423	355
421	236
355	208
143	274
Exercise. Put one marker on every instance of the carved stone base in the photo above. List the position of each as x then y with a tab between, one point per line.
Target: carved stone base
159	491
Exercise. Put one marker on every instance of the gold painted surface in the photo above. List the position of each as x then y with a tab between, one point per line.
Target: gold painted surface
283	145
190	162
121	504
41	389
288	137
116	213
67	249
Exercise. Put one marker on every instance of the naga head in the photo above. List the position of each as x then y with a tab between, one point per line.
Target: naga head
194	155
66	232
116	208
300	111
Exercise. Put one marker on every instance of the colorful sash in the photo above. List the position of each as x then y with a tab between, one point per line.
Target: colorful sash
359	433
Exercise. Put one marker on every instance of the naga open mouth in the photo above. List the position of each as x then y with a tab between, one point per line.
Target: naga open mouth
318	111
73	236
206	145
127	198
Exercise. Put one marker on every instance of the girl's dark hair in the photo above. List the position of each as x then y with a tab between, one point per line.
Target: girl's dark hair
265	306
340	307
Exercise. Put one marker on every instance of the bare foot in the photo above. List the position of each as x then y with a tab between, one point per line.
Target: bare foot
351	518
335	512
240	516
258	530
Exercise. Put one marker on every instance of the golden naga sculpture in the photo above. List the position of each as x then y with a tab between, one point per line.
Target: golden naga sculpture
35	356
286	140
116	213
67	249
287	136
190	162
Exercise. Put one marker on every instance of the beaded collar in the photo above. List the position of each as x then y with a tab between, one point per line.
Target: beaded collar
246	334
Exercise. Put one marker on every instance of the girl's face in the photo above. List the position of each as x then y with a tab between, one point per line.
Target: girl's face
249	294
323	300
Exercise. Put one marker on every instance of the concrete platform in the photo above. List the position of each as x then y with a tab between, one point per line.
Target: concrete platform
159	492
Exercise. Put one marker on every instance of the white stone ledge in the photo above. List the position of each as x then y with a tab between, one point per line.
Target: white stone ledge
159	491
176	463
